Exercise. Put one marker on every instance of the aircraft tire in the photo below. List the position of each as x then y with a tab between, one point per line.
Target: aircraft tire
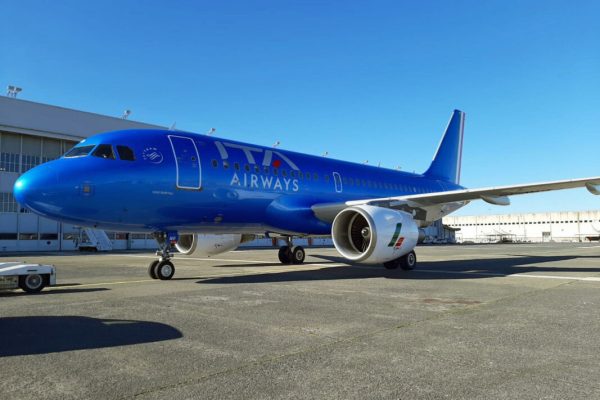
409	261
152	269
165	270
285	255
32	283
298	255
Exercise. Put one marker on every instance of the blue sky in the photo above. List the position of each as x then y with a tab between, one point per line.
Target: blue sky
362	80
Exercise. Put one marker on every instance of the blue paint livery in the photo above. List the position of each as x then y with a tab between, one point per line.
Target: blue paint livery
188	182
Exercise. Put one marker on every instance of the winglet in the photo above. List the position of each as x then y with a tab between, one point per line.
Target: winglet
447	159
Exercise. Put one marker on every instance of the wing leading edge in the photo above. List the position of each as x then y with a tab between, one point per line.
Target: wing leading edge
494	195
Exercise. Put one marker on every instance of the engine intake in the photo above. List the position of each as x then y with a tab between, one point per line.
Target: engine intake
373	234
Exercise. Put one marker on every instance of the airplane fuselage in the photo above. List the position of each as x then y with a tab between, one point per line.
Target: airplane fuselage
185	182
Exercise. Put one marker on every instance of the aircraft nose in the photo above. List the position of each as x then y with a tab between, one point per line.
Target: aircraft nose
34	188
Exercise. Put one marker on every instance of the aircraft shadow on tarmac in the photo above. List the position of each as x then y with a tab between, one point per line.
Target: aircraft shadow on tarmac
448	269
50	334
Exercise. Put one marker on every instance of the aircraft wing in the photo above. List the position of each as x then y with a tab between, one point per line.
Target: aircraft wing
494	195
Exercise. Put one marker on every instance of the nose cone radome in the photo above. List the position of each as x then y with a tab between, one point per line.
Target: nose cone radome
35	188
20	189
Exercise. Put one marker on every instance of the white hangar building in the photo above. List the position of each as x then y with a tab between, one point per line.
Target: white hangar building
31	134
566	226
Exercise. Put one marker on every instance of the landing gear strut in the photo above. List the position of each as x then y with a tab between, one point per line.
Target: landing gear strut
290	254
162	268
406	262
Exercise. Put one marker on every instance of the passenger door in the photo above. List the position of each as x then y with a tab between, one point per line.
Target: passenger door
187	162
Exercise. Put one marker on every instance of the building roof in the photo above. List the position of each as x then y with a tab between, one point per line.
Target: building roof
28	117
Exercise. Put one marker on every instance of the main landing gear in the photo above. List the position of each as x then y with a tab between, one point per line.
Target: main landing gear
406	262
290	254
162	268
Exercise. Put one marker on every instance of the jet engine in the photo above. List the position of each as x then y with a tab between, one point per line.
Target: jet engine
201	245
373	235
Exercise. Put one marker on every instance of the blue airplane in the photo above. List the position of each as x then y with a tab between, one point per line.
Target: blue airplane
206	195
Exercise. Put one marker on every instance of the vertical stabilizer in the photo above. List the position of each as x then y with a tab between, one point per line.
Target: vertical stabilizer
447	159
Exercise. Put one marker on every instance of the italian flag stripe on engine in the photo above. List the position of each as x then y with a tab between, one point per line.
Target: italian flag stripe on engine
399	242
396	234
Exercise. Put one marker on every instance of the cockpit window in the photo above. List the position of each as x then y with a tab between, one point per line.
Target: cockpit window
125	153
104	151
79	151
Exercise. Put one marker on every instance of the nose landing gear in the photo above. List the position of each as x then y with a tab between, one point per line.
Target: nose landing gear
162	268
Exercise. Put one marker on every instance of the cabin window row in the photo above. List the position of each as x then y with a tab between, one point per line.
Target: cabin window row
349	181
367	183
257	169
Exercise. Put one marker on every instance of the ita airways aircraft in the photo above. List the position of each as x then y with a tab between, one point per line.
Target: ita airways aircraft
207	195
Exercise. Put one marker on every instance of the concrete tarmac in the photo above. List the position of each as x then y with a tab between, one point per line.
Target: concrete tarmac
471	322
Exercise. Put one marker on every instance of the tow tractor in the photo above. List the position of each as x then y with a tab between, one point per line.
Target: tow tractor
32	278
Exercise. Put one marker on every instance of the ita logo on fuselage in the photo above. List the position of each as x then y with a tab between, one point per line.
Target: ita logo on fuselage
254	181
270	158
153	155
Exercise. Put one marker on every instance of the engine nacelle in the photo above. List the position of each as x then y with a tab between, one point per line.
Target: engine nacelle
373	235
201	245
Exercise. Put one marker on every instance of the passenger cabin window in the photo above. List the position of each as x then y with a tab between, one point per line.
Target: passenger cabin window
125	153
104	151
79	151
